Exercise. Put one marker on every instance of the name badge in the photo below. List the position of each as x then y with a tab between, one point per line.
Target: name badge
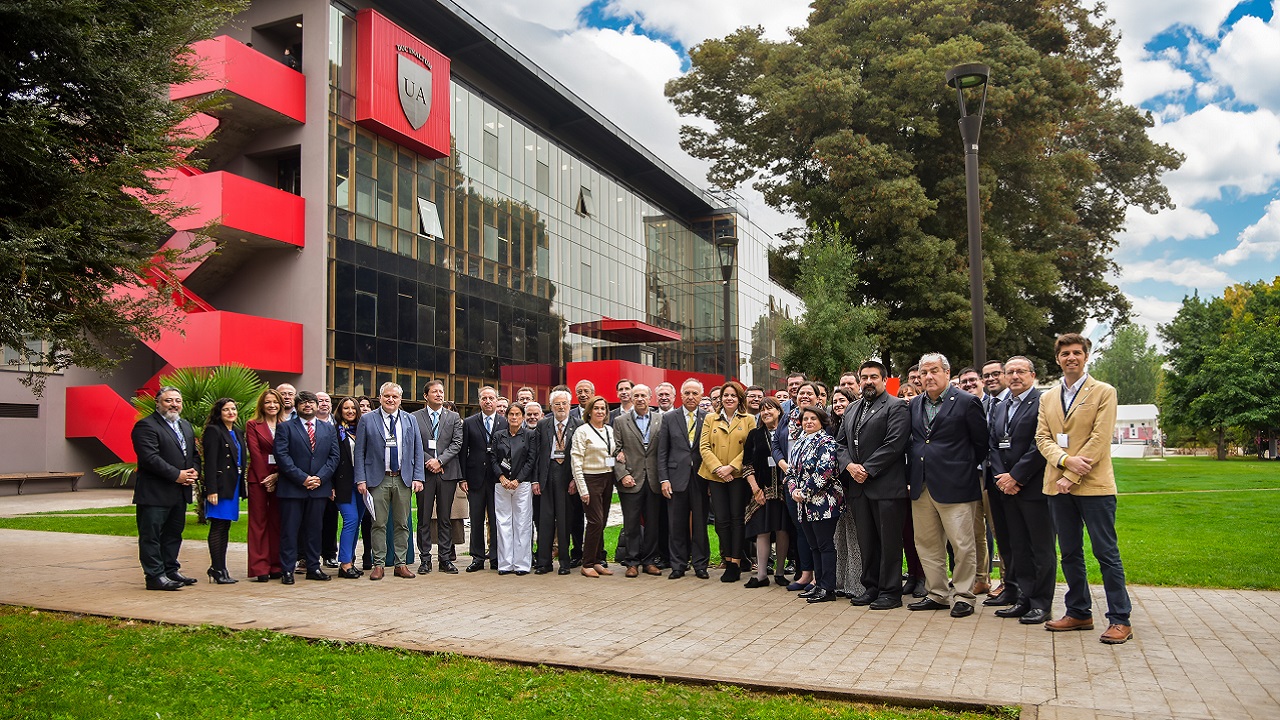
1005	443
772	462
1063	441
506	465
271	459
610	462
856	443
391	441
557	454
431	444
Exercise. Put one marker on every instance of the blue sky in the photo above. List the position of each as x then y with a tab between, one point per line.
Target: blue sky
1205	69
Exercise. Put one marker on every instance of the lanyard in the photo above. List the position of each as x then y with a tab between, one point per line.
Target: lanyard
608	443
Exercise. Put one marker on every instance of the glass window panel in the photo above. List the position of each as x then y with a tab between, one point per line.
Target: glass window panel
386	191
364	195
364	230
490	156
342	379
404	198
362	382
430	219
366	313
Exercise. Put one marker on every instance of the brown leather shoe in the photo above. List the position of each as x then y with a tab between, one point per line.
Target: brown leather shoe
653	570
589	572
376	573
1117	634
1066	622
633	571
601	569
980	587
999	589
403	571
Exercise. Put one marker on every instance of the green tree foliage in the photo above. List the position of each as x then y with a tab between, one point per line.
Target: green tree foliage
1224	364
1130	364
832	336
851	121
85	114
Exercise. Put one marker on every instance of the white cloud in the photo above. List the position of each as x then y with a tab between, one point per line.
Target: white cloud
1224	149
1150	312
1147	77
1180	223
1259	239
1184	272
1141	20
1246	61
692	21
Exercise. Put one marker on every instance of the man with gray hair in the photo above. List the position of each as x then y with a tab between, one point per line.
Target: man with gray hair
389	462
686	492
665	394
948	443
554	476
166	448
287	395
638	487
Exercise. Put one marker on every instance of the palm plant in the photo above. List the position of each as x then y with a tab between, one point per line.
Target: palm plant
200	388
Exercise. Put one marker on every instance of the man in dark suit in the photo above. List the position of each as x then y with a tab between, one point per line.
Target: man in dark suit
948	443
872	439
554	476
1017	468
441	432
478	478
639	490
307	455
685	491
166	448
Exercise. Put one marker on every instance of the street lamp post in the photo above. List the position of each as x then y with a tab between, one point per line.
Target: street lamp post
727	247
968	77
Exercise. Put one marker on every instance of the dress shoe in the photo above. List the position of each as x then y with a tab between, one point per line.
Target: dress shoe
652	569
1117	634
220	577
286	579
521	573
603	569
331	563
842	594
262	578
475	566
675	575
563	571
275	575
493	564
961	609
349	573
1001	599
1017	610
1034	616
1067	623
589	572
701	574
632	572
886	603
403	571
448	568
822	595
424	568
780	580
796	586
377	572
575	562
541	570
732	573
504	572
318	575
180	578
757	582
981	587
865	598
810	591
927	603
163	583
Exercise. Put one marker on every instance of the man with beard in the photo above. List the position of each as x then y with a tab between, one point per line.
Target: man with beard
166	448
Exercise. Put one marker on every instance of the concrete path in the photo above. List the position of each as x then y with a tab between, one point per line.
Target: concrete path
1196	654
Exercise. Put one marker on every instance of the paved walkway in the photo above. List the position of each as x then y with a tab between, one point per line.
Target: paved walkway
1196	654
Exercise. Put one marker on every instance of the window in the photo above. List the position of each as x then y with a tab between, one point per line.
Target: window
429	219
586	204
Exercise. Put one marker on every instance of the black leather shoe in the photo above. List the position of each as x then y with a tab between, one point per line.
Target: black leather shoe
813	590
675	575
331	563
540	570
1034	616
349	574
262	578
781	580
424	568
865	598
180	578
563	571
1017	610
475	566
318	575
505	572
521	573
163	583
961	609
756	582
927	603
448	568
575	562
275	575
732	573
1001	600
702	574
886	603
286	579
822	595
493	565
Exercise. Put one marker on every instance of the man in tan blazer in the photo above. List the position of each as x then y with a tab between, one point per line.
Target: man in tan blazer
1076	421
639	489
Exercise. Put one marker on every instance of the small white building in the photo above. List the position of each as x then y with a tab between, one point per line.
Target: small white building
1136	425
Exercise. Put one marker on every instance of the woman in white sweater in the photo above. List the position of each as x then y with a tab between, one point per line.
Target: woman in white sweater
592	455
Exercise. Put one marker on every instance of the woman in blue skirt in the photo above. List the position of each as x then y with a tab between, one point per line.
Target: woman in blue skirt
225	461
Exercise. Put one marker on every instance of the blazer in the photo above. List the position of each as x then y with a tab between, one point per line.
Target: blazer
261	448
1089	426
476	445
371	446
757	454
678	460
1022	459
722	443
221	472
448	442
816	475
881	439
946	455
642	458
546	444
296	460
344	478
160	460
517	451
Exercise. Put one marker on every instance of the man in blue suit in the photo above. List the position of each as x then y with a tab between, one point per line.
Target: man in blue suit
948	443
389	463
306	458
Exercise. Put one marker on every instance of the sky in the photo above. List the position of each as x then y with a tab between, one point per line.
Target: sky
1205	69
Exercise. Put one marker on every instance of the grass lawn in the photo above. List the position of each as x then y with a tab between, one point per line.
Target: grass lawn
1195	473
120	669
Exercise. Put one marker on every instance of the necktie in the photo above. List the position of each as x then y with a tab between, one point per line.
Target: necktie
693	426
395	449
311	433
435	424
1008	413
488	424
560	441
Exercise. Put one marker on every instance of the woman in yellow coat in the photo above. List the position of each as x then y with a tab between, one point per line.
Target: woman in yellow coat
724	436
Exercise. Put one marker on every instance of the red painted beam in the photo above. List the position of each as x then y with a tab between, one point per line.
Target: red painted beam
101	413
230	65
208	339
242	208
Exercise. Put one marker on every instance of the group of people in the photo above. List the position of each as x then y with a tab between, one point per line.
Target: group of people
835	493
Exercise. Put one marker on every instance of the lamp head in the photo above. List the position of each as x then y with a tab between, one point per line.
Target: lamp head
726	246
968	75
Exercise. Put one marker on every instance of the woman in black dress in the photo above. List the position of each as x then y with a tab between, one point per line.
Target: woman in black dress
767	510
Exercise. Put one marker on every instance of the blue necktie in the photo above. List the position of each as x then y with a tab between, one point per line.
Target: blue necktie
395	449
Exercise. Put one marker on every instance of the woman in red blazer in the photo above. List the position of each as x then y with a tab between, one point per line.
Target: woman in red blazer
264	513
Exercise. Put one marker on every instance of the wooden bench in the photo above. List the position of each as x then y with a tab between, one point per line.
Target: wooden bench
22	478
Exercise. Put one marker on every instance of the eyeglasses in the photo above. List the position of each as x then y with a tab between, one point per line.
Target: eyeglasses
988	376
1018	372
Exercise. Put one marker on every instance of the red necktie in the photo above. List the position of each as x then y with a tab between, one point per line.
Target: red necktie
311	433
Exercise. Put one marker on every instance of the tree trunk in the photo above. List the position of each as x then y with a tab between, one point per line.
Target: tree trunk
1222	442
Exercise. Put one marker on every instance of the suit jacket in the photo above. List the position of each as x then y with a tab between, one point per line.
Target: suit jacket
546	443
882	434
677	458
262	446
476	449
1022	459
517	451
1089	425
946	454
160	460
722	443
371	450
642	458
344	478
448	442
296	460
222	474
